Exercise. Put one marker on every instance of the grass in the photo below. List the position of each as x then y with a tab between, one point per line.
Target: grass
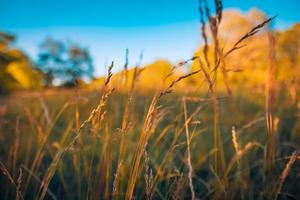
95	166
128	144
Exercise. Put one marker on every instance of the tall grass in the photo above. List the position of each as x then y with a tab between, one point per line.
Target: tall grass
121	144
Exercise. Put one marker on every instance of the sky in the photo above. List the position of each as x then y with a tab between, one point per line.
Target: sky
161	29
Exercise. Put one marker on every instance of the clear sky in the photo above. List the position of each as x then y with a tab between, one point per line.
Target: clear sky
166	29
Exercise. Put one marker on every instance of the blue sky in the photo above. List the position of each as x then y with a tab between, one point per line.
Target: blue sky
162	29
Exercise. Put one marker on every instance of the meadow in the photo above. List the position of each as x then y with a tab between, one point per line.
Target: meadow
225	141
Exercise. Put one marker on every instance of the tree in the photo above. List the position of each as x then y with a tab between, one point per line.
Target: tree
64	62
16	69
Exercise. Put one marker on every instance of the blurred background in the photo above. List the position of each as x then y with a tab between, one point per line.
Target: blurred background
67	40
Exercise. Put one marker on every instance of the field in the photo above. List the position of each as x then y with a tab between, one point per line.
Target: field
207	131
129	151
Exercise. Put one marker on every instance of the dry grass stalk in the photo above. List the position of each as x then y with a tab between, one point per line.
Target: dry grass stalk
19	184
218	160
126	67
140	147
214	22
45	110
202	100
219	9
237	148
285	173
238	44
214	28
163	134
95	119
11	180
148	177
235	141
42	135
116	180
171	86
179	188
270	99
49	174
16	144
153	117
249	34
180	64
96	116
206	75
50	193
189	162
250	124
239	155
204	35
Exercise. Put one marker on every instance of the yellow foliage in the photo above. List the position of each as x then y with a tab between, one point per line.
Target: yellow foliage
24	75
16	71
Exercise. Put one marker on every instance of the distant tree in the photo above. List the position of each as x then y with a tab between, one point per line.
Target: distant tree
6	40
64	61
